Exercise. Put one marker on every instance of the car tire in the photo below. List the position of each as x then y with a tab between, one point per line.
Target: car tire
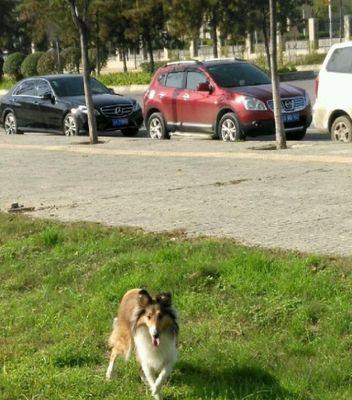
10	124
341	130
130	132
70	127
299	135
156	127
229	129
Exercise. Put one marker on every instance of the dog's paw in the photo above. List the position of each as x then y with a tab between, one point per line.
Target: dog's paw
155	392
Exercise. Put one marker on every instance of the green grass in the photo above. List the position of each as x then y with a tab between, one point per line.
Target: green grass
125	79
255	324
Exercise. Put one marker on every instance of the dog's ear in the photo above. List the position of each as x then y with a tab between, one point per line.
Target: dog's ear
164	299
144	298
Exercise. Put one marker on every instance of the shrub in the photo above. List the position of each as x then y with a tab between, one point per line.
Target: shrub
12	65
47	63
71	59
1	68
29	64
311	59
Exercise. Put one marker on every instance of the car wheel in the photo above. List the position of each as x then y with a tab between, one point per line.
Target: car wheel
70	125
156	127
341	130
10	124
130	132
229	129
299	135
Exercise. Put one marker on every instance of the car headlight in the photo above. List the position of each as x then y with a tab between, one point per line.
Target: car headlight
136	106
307	99
253	104
84	110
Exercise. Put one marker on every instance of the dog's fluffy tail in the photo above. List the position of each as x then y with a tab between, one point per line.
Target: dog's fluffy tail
113	336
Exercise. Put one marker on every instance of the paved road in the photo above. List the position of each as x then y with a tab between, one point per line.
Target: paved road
296	199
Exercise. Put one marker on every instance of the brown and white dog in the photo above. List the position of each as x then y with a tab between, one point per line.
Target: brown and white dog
150	326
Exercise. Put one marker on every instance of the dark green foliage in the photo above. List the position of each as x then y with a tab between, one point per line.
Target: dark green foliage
12	65
29	64
71	59
48	63
148	67
92	57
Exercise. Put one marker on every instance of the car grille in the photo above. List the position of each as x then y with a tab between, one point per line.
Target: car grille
290	104
116	110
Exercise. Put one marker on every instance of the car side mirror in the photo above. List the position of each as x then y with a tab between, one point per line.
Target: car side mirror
205	87
111	90
47	96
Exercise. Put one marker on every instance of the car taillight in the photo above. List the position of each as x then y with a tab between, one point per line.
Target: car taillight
316	86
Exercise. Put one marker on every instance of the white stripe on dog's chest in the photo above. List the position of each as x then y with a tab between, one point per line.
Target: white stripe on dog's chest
156	357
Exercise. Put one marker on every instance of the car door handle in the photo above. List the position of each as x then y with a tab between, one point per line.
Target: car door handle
186	96
36	102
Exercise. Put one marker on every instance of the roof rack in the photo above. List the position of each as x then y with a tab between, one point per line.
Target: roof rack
184	62
224	59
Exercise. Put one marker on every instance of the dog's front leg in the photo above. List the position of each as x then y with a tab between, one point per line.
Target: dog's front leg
164	373
148	373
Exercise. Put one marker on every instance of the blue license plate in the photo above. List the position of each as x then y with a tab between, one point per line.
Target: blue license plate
293	117
119	122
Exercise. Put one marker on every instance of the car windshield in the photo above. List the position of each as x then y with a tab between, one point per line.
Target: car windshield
238	74
73	86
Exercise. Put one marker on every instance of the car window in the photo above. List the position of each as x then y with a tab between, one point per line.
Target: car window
238	74
43	88
174	80
73	86
194	78
341	61
26	88
161	79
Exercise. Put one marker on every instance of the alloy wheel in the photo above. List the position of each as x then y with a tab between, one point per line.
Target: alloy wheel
155	128
70	127
342	132
10	124
228	130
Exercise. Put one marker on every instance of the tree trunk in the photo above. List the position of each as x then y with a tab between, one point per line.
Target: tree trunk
150	51
214	26
82	26
123	54
92	123
279	126
266	40
97	57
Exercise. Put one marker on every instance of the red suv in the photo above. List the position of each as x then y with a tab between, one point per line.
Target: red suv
228	98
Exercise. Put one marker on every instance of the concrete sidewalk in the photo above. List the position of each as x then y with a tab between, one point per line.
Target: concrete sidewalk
294	199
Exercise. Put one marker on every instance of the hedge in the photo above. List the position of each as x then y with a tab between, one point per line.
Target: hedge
125	79
71	59
48	64
30	63
12	65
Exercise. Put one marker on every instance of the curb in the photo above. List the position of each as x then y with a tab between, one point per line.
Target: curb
131	88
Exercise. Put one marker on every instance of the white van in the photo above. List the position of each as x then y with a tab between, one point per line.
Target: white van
332	111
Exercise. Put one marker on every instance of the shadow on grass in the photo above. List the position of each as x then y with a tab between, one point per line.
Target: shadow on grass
232	383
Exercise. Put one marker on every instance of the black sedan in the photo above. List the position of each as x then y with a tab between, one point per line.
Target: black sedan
56	103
